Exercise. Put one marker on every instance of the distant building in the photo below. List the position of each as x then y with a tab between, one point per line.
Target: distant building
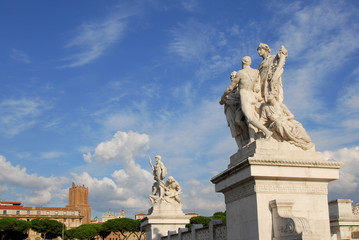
78	198
344	219
192	214
95	220
77	212
110	215
71	217
140	216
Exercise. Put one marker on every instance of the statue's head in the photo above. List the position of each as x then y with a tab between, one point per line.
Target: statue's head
233	74
246	61
158	158
171	179
263	49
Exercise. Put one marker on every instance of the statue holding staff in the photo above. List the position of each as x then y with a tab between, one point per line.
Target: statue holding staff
159	172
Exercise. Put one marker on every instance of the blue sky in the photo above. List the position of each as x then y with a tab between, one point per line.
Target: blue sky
89	89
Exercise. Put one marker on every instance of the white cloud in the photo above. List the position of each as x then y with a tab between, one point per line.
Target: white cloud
349	176
19	56
127	189
39	190
201	197
94	38
17	115
122	148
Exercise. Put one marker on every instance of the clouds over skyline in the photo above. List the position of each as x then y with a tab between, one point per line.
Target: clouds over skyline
146	78
39	190
348	182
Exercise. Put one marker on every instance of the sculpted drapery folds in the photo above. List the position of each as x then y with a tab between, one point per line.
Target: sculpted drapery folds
271	71
281	122
253	92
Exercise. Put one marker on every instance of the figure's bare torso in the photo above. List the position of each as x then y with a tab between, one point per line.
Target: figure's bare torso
247	78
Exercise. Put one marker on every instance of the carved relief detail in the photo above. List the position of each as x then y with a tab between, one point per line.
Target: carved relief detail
242	191
285	224
291	188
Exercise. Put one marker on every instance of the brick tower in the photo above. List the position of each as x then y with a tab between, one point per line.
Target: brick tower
78	198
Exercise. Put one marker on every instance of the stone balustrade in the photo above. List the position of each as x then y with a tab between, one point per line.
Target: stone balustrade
216	231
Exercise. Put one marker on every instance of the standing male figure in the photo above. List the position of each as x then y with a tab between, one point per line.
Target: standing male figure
159	173
247	81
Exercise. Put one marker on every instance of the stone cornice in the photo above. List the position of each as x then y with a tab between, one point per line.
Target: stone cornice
296	163
271	162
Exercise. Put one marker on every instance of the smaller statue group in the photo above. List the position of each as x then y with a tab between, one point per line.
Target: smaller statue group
253	103
168	191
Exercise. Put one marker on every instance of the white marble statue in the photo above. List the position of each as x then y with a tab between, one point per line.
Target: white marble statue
168	191
281	121
255	92
271	71
159	173
166	212
247	82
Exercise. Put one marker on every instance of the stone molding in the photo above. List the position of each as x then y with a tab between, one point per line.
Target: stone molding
271	162
296	163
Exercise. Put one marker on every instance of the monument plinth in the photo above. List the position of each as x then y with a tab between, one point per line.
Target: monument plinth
166	212
276	185
277	198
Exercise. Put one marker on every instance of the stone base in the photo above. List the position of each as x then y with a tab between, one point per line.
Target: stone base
271	193
158	226
165	215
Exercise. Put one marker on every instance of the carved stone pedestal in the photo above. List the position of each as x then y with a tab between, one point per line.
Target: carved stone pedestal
277	191
163	217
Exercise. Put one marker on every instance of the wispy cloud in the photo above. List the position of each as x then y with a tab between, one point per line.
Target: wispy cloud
52	154
94	38
17	115
19	56
317	49
191	40
190	5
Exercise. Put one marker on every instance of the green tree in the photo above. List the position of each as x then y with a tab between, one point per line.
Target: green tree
219	215
48	228
124	227
198	220
86	231
70	234
101	231
12	228
205	220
